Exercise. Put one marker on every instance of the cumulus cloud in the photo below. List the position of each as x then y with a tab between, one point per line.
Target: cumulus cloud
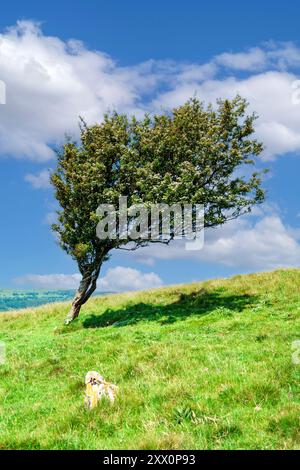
264	244
40	180
254	59
260	242
49	281
123	279
271	56
50	82
270	95
116	280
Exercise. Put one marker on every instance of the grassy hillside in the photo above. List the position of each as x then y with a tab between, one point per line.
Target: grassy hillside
205	365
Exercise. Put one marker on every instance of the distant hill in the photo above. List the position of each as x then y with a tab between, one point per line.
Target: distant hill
18	299
206	366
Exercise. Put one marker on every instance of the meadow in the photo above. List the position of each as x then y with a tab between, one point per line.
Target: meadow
200	366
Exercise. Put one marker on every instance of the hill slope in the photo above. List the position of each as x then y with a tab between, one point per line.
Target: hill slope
205	365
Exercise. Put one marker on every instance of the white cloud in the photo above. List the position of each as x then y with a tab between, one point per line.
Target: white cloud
116	279
125	279
51	82
272	56
269	94
49	281
265	244
254	59
248	242
41	180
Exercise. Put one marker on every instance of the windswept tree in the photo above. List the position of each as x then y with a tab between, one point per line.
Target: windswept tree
194	154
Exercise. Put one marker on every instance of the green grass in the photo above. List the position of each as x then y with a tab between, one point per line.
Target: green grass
205	366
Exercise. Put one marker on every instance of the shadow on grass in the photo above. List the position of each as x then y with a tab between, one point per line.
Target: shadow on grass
198	303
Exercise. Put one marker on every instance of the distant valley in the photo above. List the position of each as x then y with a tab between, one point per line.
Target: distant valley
16	299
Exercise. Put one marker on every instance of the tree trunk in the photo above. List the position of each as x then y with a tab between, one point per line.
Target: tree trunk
87	286
75	308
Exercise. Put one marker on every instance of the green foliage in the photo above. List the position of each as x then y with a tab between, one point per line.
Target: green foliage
192	155
189	376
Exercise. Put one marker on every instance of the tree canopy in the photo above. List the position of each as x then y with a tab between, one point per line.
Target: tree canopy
195	154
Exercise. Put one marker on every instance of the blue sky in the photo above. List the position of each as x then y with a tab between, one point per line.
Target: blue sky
138	56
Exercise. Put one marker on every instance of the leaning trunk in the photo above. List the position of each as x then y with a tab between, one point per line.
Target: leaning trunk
75	308
87	286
